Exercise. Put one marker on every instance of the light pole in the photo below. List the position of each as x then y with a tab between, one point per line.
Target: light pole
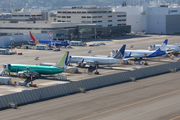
96	62
50	35
31	77
95	33
71	40
81	35
110	33
37	58
145	59
71	36
12	41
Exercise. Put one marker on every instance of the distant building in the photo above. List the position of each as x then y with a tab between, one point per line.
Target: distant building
106	20
80	22
102	17
5	15
31	13
155	18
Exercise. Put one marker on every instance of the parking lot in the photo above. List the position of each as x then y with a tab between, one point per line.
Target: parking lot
49	56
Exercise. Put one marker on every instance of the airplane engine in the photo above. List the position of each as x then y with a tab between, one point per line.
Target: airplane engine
80	64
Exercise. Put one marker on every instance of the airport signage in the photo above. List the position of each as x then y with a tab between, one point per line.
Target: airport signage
170	11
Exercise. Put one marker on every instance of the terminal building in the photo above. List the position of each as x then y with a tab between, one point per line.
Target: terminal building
88	22
154	18
93	21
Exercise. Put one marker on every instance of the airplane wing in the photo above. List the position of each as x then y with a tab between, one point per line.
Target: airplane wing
88	62
134	57
91	63
27	73
171	50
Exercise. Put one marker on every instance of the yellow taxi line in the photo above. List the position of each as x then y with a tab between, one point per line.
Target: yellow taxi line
151	110
130	105
174	118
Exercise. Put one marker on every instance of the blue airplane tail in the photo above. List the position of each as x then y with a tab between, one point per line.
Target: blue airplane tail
120	53
161	50
163	46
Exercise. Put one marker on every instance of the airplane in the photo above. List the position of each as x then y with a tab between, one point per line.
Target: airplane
139	54
49	42
97	60
170	48
38	69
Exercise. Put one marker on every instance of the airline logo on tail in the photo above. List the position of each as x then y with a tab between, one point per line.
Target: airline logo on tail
160	51
64	60
120	53
163	46
35	40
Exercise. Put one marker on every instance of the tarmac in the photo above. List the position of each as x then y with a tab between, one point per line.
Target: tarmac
153	98
49	56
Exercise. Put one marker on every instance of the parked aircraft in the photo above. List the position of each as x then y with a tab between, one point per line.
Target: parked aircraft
61	66
49	42
94	60
139	54
170	48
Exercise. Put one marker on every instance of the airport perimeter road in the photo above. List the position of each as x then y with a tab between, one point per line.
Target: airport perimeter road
154	98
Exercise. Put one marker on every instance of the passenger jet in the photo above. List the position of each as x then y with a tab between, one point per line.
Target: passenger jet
61	66
91	60
139	54
170	48
49	42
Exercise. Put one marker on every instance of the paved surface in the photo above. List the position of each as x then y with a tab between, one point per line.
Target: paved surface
154	98
139	42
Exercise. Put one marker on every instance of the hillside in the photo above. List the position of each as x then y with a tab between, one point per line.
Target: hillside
7	4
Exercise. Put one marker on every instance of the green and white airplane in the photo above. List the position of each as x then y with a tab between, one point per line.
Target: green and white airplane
38	69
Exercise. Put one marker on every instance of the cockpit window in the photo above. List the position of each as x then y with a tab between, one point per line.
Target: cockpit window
4	66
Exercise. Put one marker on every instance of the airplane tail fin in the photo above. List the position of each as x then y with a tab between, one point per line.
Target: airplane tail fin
163	46
64	60
35	40
120	53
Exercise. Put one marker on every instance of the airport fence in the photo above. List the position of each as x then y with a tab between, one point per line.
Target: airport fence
40	94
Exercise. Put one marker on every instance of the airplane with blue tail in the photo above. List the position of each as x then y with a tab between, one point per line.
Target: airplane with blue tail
94	60
49	42
139	54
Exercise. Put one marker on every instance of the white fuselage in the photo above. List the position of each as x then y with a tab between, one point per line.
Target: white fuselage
92	60
173	48
138	53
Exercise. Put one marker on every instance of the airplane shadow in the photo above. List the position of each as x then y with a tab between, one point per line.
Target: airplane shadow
117	37
51	78
112	67
176	54
168	60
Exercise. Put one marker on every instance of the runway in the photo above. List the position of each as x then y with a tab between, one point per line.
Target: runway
153	98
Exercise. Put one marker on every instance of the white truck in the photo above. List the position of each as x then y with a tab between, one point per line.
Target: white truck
41	47
76	43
